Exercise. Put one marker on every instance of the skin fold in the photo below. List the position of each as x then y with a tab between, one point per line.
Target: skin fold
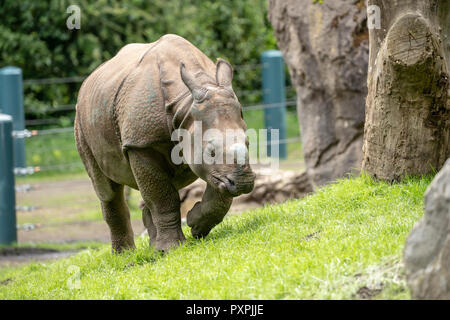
128	111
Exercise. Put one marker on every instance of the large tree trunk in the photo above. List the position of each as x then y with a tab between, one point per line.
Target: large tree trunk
407	130
326	49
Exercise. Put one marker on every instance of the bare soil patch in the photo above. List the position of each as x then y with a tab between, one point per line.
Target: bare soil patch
18	256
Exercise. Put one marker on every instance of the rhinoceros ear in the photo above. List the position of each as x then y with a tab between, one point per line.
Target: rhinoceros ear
198	92
224	73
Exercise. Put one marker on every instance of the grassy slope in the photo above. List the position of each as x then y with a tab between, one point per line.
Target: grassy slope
326	246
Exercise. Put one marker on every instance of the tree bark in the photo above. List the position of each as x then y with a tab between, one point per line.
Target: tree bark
326	49
407	128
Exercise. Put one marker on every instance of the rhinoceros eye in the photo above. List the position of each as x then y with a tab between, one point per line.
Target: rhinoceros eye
210	150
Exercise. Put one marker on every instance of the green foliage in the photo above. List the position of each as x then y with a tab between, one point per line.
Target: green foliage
347	236
34	36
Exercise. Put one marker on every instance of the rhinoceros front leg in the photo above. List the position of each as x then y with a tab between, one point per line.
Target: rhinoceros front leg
160	197
208	213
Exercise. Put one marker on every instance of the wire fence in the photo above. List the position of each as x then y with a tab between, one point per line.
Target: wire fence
71	107
46	149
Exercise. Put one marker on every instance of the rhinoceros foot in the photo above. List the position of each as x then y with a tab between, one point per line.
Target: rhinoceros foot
202	218
169	239
200	226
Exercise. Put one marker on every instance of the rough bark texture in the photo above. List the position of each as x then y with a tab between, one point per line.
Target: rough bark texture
407	129
326	49
427	249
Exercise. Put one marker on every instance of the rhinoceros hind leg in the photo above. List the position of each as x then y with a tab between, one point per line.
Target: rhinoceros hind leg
159	195
117	216
114	208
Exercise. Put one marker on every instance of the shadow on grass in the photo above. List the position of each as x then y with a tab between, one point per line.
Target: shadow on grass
245	225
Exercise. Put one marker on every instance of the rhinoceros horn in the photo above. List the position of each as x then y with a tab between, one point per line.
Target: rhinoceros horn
197	91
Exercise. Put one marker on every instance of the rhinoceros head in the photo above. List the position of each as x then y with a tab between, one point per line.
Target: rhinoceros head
217	130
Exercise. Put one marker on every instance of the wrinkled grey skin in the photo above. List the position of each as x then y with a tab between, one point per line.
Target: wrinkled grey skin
127	110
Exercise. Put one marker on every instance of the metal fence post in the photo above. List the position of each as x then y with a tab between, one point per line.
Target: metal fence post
11	102
8	231
274	92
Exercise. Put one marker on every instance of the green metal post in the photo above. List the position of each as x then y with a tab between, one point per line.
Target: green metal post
273	83
8	232
11	102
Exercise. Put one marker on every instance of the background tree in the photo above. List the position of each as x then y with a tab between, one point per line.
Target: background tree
407	128
325	46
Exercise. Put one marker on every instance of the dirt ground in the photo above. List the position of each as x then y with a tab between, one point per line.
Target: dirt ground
63	211
17	256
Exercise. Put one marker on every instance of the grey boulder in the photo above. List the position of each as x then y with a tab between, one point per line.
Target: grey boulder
427	249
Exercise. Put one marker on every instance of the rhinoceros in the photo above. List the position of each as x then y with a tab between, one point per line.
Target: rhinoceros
127	111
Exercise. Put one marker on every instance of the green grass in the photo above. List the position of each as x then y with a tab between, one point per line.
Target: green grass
52	149
346	236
